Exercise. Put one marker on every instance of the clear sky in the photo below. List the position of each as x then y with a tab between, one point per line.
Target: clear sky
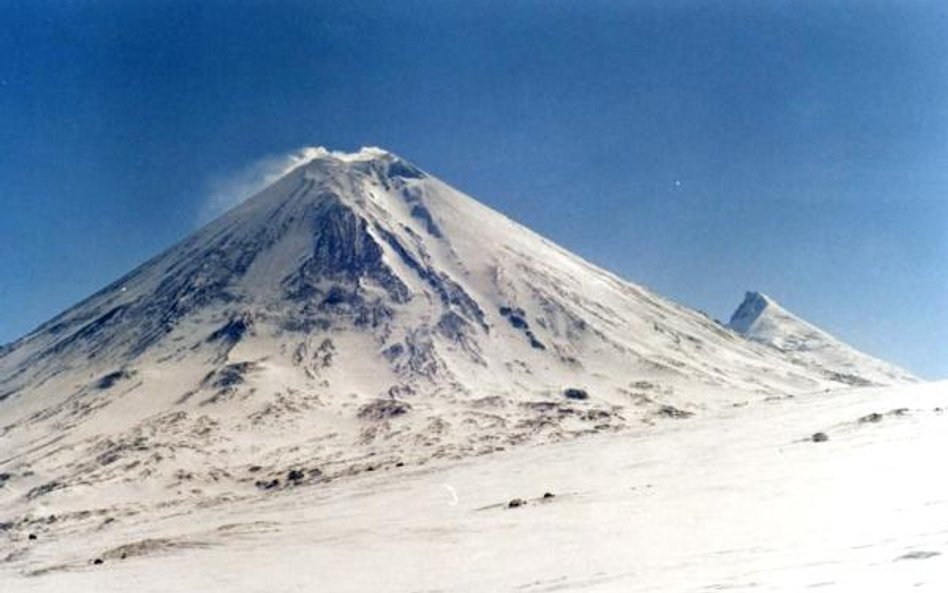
700	148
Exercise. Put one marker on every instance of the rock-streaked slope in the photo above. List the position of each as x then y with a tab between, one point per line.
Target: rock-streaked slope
763	320
358	315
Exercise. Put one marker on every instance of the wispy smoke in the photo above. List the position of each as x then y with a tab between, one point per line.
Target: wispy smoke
226	192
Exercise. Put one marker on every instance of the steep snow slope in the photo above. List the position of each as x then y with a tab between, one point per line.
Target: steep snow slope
357	315
761	319
739	499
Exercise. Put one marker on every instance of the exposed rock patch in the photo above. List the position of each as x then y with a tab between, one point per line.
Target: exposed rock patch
383	408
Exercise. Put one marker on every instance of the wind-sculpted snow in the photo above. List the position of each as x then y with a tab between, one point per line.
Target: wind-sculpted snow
358	314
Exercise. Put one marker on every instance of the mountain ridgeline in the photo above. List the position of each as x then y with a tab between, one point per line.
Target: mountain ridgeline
761	319
359	308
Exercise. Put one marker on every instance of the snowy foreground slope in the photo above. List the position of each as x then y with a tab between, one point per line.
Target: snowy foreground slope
740	499
763	320
316	353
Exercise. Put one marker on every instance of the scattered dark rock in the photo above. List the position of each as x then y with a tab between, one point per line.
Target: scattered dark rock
542	406
254	468
112	378
819	437
874	417
148	546
673	412
370	468
89	331
4	477
534	342
31	537
397	391
515	503
548	495
107	457
343	250
918	555
97	561
400	464
853	380
450	292
267	484
230	375
382	409
518	320
393	351
506	311
575	393
43	489
295	475
899	412
399	168
233	330
595	415
421	213
338	295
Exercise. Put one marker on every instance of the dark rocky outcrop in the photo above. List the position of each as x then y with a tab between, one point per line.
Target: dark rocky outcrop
233	331
670	411
43	489
111	379
343	251
382	409
518	320
230	375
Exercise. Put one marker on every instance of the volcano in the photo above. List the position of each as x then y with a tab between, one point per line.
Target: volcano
359	314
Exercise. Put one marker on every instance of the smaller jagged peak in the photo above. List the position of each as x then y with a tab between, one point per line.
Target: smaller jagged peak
761	319
753	306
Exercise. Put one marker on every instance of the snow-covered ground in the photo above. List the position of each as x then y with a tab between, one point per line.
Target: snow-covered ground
740	498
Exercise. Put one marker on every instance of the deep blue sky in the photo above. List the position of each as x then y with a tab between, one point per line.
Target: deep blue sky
698	147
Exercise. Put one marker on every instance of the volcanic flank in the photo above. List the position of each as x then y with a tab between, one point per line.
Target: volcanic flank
356	314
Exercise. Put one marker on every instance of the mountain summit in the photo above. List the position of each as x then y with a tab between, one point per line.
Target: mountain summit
750	311
356	314
761	319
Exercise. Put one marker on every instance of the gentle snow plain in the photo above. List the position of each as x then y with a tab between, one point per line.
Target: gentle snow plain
739	499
